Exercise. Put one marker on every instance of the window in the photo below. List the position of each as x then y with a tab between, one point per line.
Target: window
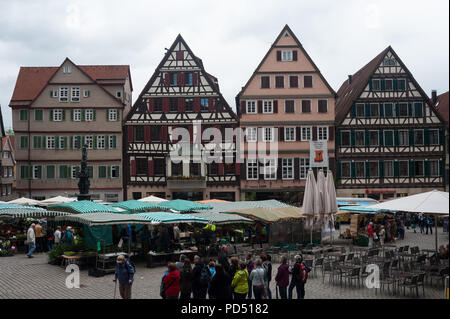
38	115
306	133
322	133
189	105
267	107
74	172
112	142
388	168
50	142
75	94
374	138
376	85
418	109
115	171
289	106
252	169
388	84
173	104
159	167
304	167
141	166
306	106
286	55
155	133
293	81
37	171
418	137
228	168
173	77
76	115
268	134
270	169
289	134
388	110
434	167
403	138
345	169
250	107
307	81
279	82
89	141
388	138
360	110
89	115
10	172
322	106
188	78
101	142
373	169
265	82
374	110
118	94
345	138
403	168
287	168
5	171
360	169
54	93
433	136
252	134
401	83
57	115
359	138
23	115
139	133
51	171
63	94
112	115
157	104
86	93
204	104
389	62
102	171
62	142
418	168
177	169
67	69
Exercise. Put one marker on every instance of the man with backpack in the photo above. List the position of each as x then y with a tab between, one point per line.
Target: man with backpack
201	277
125	271
299	277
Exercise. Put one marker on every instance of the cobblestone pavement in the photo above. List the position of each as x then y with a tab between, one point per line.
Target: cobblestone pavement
21	277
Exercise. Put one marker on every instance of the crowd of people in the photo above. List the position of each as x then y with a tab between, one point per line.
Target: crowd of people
39	242
224	278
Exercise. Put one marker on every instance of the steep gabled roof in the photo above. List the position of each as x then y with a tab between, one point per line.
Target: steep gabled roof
2	126
285	29
442	106
348	92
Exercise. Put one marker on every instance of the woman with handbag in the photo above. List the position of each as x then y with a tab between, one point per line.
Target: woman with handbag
258	277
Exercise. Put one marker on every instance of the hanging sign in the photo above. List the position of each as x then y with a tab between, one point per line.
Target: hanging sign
318	154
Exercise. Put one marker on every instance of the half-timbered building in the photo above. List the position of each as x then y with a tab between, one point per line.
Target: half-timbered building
180	94
441	104
389	136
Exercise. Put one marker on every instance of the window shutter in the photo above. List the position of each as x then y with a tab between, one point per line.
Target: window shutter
339	170
411	168
221	169
298	131
71	115
65	142
367	164
130	132
181	79
380	138
281	136
260	107
166	79
367	113
352	138
381	108
278	55
366	138
353	169
211	104
397	110
164	133
191	133
275	106
410	110
426	137
151	168
394	85
331	133
107	115
370	85
314	133
95	142
381	169
280	169
296	168
63	115
243	107
441	137
80	142
196	104
108	174
56	142
107	141
383	84
133	167
441	167
83	115
95	116
195	79
426	165
396	169
396	138
353	111
147	133
411	137
165	105
51	115
294	55
150	106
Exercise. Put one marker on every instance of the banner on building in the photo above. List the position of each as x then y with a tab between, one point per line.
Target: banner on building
318	154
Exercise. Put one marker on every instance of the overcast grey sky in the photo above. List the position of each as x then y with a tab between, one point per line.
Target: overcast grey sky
231	37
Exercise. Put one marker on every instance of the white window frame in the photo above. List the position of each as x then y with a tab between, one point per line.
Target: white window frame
249	105
85	93
54	93
288	164
75	94
384	169
312	82
251	132
89	115
112	115
110	142
287	56
113	168
73	171
268	104
270	170
304	167
437	168
77	115
319	133
57	115
251	167
119	94
101	143
289	128
50	142
318	106
61	143
34	171
63	94
89	140
267	129
67	69
304	138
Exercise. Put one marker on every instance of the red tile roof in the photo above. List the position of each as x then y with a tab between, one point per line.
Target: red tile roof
442	106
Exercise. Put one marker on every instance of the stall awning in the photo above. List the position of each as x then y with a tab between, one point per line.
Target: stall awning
223	219
135	206
56	200
364	210
83	207
27	213
270	215
182	205
8	205
171	218
233	206
100	219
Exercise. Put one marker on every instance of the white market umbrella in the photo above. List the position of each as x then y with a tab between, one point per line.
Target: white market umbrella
331	206
56	200
433	203
24	201
321	195
152	199
309	202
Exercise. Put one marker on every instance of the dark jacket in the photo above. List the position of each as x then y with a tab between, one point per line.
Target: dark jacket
250	266
220	286
232	271
186	280
268	267
223	260
282	277
196	285
296	275
124	273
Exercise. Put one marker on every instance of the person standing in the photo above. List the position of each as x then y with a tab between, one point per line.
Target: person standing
31	240
233	267
250	266
429	224
39	237
258	278
212	268
125	275
222	258
50	239
421	223
381	235
57	235
282	278
267	264
176	233
220	286
296	280
172	282
200	279
69	235
186	280
370	232
240	282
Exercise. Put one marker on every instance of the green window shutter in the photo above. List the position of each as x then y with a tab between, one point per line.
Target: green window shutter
63	115
396	169
395	85
50	171
90	171
71	142
353	111
94	111
36	142
418	110
118	171
51	115
352	138
39	172
426	137
22	171
381	108
83	140
24	142
108	175
381	169
69	171
62	171
114	140
43	141
370	85
380	138
388	110
107	115
426	165
367	113
83	115
441	167
383	84
366	138
411	137
56	142
71	115
65	142
38	115
95	142
411	168
367	169
353	169
106	142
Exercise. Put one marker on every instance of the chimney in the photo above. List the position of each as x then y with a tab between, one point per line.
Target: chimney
349	79
434	97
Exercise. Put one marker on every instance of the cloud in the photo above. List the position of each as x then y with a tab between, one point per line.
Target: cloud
231	36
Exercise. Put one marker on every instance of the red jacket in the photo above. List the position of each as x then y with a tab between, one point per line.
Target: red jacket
172	283
370	230
282	277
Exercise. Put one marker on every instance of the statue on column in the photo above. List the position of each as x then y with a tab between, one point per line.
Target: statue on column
83	175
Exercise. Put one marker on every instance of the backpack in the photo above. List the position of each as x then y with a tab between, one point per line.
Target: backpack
205	276
304	270
131	264
162	289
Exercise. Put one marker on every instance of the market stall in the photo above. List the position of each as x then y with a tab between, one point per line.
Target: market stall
135	206
83	207
181	205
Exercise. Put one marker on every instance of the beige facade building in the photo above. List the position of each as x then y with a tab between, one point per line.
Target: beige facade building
7	164
57	110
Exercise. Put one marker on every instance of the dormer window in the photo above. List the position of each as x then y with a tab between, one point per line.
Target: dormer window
67	69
